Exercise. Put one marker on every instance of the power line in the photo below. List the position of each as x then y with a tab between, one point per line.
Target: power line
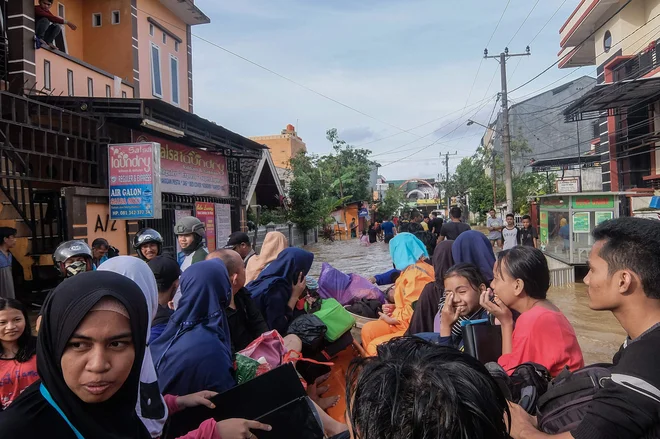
523	23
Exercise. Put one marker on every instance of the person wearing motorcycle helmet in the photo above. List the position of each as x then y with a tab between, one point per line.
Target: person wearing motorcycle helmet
73	257
190	233
148	244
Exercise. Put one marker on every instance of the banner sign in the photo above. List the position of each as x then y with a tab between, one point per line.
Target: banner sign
134	181
222	223
205	212
190	171
593	202
567	185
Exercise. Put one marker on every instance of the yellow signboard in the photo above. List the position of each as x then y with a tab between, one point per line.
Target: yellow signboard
428	202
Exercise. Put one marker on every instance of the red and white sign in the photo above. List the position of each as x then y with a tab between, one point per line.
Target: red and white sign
189	171
205	212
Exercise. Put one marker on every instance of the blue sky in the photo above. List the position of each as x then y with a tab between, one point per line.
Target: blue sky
405	63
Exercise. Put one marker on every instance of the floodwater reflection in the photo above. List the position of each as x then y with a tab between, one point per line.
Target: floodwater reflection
599	333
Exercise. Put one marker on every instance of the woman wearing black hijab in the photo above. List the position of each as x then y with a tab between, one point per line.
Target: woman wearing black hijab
89	356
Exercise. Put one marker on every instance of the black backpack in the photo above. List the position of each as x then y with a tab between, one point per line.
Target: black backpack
565	403
525	386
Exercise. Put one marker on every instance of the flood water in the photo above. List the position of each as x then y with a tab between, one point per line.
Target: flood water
599	333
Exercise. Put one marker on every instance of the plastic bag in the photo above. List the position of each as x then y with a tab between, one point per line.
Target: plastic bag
345	288
246	368
270	346
333	284
361	288
310	329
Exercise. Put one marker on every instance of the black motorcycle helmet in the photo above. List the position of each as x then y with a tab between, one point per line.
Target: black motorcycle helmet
146	236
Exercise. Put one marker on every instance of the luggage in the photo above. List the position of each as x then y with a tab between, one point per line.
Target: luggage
565	403
482	340
529	382
336	319
345	288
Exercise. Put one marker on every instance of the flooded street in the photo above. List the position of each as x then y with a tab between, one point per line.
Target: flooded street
599	333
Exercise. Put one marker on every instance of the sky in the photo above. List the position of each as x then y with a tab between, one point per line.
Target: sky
400	78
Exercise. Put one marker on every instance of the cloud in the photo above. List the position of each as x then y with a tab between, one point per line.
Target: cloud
403	63
356	134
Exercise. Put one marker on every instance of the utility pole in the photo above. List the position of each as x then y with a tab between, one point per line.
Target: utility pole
447	194
577	128
506	135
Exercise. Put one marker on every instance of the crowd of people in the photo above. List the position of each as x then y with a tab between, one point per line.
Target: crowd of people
126	342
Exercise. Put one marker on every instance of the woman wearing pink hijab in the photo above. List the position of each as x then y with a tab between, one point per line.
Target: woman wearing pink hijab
274	243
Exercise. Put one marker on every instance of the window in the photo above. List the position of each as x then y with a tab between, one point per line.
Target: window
123	94
60	10
151	30
176	46
174	74
46	75
116	17
90	87
164	38
607	41
156	83
60	40
96	20
69	80
108	91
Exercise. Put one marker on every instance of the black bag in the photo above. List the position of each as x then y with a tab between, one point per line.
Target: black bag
276	398
311	331
565	403
483	341
529	381
368	308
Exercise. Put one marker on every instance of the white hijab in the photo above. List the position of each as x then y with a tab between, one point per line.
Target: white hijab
151	407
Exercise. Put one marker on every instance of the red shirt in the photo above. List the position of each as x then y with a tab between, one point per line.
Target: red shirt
41	12
545	337
16	377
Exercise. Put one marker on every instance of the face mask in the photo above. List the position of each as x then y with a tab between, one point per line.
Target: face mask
76	268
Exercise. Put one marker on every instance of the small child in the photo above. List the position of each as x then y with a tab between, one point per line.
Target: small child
364	239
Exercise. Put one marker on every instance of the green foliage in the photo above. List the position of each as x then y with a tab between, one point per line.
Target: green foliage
322	184
470	178
276	216
393	201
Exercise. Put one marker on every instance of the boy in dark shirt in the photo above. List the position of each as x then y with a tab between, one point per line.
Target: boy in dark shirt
166	271
623	278
450	230
528	235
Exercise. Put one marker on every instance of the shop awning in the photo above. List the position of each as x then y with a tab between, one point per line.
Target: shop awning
613	98
565	163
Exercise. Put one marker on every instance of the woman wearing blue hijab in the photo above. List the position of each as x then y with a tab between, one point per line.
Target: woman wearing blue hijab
280	285
472	247
194	351
408	254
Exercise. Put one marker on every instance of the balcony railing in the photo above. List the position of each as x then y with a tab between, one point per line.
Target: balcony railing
640	65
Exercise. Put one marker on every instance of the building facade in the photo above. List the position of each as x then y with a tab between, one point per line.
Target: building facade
123	76
283	146
539	123
620	39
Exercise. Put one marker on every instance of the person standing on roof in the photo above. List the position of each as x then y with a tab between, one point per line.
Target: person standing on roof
148	244
190	233
240	243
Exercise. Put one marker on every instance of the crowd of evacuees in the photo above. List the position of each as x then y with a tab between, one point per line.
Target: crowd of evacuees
126	343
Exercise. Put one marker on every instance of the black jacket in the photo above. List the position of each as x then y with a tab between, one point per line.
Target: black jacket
245	322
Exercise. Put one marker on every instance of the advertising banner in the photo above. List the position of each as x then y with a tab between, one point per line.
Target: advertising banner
222	223
205	212
601	217
581	222
134	181
190	171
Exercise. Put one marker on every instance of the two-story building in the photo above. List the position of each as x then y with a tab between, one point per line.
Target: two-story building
124	75
620	38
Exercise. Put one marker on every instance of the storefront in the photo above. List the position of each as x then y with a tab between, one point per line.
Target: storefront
567	220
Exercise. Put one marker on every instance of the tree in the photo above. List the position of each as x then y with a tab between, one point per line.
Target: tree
393	201
348	168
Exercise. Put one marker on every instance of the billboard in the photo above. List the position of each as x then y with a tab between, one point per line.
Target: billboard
205	212
134	181
190	171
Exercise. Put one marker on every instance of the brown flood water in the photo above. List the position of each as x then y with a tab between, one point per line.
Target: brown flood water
599	333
